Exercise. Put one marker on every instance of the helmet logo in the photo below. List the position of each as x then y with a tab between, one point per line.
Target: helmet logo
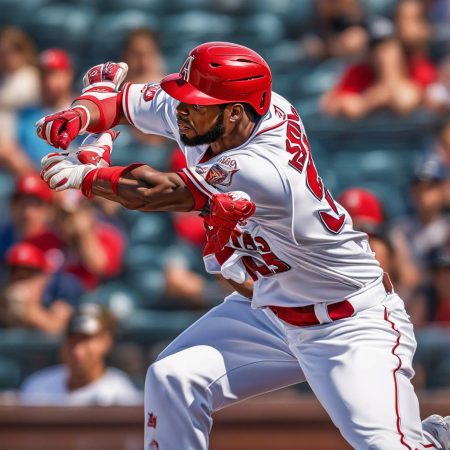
185	71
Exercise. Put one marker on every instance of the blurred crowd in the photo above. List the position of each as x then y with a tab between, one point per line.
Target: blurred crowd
100	286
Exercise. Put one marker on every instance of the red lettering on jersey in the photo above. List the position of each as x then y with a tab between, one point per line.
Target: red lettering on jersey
298	145
272	264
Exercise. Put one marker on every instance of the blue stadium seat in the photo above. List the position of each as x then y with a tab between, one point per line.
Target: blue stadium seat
259	31
10	373
111	29
148	327
196	26
6	188
151	6
380	7
151	229
62	25
13	12
181	6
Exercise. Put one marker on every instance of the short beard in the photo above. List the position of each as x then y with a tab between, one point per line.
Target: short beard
215	132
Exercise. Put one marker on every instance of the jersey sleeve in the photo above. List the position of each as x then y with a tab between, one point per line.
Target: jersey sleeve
150	109
257	176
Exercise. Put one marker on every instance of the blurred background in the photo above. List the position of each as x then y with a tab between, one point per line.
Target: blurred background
91	292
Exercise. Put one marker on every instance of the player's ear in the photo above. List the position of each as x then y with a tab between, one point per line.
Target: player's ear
236	112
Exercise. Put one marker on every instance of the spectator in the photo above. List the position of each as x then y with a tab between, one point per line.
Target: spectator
142	54
19	78
84	378
431	305
25	153
367	216
385	80
93	249
186	282
417	234
339	30
33	297
414	32
145	65
31	210
437	95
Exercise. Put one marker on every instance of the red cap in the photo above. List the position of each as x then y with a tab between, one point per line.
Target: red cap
55	59
221	72
362	206
32	184
26	255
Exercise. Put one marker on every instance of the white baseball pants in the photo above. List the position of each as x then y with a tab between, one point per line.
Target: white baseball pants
359	368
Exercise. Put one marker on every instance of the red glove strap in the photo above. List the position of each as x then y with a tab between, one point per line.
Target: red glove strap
108	174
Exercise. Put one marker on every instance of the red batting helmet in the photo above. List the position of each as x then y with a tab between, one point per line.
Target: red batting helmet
220	72
362	206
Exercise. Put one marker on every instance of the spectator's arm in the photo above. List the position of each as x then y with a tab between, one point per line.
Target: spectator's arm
52	320
14	160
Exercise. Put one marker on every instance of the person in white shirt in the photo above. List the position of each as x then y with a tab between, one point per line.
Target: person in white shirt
83	379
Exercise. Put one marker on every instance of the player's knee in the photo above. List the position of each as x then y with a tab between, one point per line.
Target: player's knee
386	443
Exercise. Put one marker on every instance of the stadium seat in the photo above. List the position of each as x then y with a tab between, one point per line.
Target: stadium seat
10	373
151	229
151	6
111	29
196	26
259	31
380	7
181	6
19	13
62	25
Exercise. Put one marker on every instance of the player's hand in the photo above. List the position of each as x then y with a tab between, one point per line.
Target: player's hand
64	171
61	128
105	77
96	149
225	212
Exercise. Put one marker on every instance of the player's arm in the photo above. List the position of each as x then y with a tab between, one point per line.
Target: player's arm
143	188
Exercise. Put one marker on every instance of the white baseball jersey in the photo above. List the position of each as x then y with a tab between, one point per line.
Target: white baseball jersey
299	246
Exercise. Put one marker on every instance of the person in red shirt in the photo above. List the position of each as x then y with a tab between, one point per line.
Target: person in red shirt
31	210
390	78
92	248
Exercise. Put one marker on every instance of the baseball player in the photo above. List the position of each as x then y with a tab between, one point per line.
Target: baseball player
311	302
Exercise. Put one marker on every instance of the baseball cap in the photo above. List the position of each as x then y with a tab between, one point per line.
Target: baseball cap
55	59
91	319
24	254
32	184
362	205
432	169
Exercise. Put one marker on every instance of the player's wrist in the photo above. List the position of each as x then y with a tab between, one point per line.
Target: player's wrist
108	177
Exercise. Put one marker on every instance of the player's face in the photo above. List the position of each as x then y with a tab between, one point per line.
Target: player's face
200	125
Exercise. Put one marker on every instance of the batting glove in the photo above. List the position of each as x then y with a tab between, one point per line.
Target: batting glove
225	212
61	172
67	170
61	128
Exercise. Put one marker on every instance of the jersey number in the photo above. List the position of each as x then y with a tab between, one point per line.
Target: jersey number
298	145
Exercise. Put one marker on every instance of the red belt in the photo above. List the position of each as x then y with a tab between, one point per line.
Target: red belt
303	316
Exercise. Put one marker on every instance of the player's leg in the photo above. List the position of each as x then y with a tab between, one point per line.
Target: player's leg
232	353
360	369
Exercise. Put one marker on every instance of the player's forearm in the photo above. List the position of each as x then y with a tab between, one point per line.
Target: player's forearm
146	189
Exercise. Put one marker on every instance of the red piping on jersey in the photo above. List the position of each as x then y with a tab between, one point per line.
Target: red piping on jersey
127	111
397	411
270	128
200	198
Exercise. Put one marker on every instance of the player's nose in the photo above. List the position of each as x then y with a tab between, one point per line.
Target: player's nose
182	109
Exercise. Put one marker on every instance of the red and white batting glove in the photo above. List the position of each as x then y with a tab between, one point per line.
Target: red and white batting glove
61	128
225	212
68	170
